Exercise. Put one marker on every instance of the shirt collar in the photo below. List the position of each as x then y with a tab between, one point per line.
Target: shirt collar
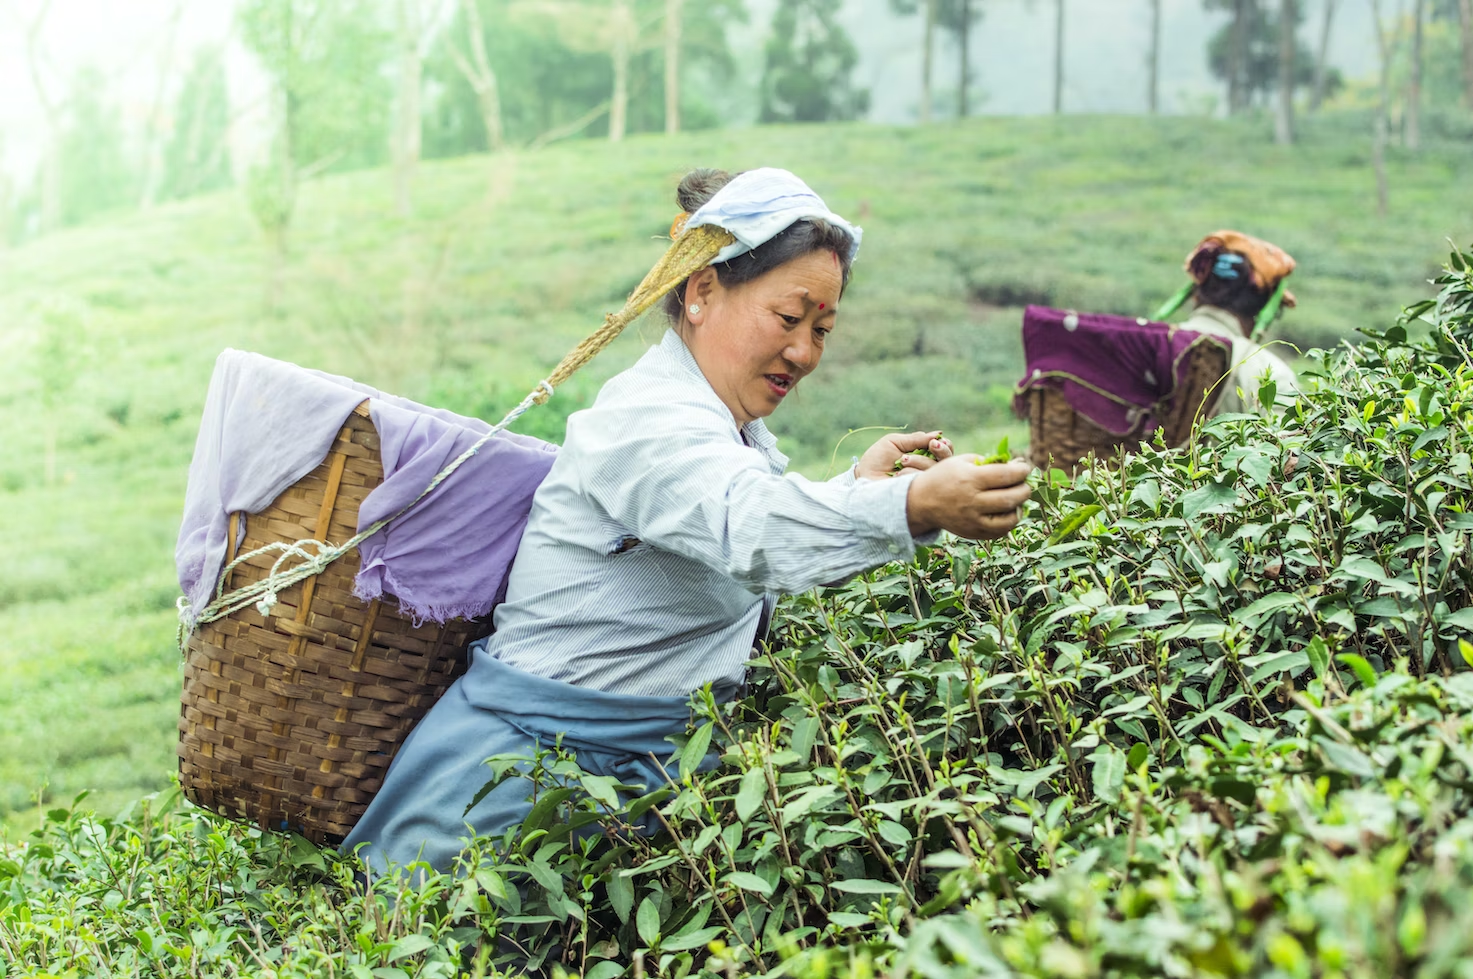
1227	325
755	430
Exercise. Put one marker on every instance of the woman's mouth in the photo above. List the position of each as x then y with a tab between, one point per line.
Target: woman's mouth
780	384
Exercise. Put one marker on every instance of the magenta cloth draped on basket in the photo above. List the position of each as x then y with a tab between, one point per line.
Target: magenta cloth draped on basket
267	423
1114	370
449	557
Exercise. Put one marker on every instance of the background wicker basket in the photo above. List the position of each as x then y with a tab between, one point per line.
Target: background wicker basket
290	720
1061	438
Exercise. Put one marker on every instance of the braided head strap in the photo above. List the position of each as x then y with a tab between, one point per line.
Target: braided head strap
690	252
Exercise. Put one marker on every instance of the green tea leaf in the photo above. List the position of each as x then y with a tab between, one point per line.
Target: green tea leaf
694	752
1108	773
748	882
865	886
696	939
407	946
647	920
750	795
1319	656
621	895
1071	523
1362	670
1212	496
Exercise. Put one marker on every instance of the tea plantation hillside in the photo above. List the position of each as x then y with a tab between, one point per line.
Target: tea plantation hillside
1204	715
110	332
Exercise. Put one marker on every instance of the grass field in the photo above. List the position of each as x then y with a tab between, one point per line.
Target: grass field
110	332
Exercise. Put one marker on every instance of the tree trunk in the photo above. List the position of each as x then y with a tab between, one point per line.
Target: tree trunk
1383	113
1238	60
407	124
966	68
148	193
286	184
1284	119
928	40
1153	64
672	65
1414	84
479	75
49	173
1465	24
623	24
1058	56
1322	57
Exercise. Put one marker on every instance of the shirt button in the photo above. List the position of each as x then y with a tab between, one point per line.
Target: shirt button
894	548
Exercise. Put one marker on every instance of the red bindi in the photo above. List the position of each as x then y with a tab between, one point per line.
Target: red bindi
820	305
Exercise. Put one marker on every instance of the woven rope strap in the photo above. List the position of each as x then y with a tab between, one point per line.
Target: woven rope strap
688	254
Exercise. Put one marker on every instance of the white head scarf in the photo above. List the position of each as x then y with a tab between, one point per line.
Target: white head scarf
759	204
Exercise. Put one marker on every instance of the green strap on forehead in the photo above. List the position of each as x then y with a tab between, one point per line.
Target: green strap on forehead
1270	310
1175	302
1261	322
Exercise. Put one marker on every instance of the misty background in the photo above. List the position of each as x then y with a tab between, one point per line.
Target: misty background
139	55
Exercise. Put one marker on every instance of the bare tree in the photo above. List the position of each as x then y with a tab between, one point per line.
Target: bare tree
1238	59
672	65
1288	45
1385	44
964	40
1153	61
928	57
621	28
605	26
1465	25
1414	82
152	161
479	75
407	128
1322	56
37	64
930	17
415	20
1058	56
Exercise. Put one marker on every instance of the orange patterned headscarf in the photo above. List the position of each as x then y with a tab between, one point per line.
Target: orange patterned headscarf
1267	262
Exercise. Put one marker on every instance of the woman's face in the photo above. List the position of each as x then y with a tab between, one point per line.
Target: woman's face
756	341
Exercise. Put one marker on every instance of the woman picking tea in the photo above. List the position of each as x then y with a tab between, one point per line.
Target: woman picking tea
659	542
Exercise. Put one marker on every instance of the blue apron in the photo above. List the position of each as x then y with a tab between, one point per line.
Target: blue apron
495	709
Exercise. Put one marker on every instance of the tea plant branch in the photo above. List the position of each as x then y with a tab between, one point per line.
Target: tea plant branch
854	805
685	855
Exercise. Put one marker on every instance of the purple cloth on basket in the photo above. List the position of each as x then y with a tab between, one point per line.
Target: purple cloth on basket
1114	370
267	423
449	557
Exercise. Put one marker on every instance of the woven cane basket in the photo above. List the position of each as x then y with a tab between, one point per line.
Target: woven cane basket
1061	438
290	720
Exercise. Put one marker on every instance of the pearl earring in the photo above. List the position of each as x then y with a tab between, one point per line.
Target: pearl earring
694	309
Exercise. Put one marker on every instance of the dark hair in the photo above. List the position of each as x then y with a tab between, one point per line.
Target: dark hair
1234	292
798	239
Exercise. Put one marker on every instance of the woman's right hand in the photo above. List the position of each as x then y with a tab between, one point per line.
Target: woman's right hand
975	501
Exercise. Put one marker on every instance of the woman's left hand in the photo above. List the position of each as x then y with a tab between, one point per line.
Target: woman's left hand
879	462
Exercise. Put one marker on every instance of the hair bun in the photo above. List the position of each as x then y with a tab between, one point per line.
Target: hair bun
698	187
1201	262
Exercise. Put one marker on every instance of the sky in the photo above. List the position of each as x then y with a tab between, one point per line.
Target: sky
1105	47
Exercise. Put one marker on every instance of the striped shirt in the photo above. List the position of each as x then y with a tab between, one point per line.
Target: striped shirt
658	542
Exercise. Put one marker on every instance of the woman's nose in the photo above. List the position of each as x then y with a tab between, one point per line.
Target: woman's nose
801	353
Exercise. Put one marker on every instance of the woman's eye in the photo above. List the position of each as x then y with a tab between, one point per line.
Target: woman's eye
791	320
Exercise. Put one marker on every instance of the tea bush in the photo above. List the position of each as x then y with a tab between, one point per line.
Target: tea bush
1202	714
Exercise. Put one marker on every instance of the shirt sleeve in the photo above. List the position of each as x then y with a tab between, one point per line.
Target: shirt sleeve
674	475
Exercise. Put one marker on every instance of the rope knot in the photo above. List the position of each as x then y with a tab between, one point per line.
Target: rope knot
265	605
